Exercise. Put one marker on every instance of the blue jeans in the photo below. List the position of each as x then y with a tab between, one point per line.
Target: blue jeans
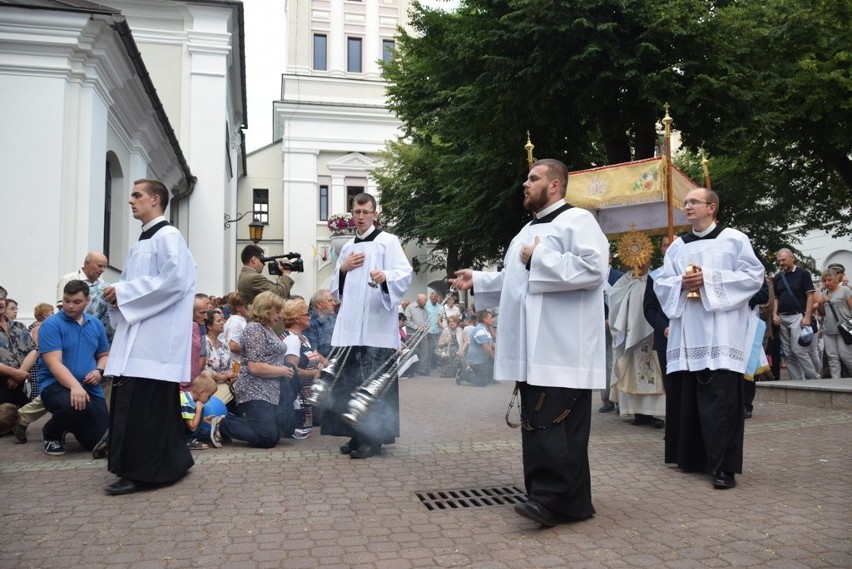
255	424
87	426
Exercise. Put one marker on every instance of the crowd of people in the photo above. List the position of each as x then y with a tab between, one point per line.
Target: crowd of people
146	369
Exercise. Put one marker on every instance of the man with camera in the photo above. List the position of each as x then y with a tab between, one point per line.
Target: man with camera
251	282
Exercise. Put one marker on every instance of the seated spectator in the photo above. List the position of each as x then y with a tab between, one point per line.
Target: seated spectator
403	333
8	418
41	311
262	371
235	325
323	318
480	353
17	356
449	309
74	348
301	354
218	366
454	342
34	410
11	309
192	411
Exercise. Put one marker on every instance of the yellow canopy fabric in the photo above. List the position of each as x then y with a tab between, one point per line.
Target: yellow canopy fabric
630	196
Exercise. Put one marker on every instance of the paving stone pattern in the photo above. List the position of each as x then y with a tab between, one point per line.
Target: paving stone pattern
304	505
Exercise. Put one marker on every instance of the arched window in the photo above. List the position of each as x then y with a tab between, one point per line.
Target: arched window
113	179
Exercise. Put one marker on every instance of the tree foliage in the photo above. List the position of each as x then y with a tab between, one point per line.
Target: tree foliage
763	86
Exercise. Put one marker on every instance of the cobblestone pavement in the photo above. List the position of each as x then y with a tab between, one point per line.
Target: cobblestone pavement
303	504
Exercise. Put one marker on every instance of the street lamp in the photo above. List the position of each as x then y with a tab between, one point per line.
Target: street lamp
255	227
255	231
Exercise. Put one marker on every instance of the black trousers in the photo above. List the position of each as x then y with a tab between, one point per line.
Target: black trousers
146	431
556	452
672	387
712	420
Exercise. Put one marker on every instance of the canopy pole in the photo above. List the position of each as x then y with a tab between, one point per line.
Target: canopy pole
667	123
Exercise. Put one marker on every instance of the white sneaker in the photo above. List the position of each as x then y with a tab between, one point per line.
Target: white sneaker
215	436
301	434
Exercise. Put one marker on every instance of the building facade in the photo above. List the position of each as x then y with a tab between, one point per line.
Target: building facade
95	96
330	125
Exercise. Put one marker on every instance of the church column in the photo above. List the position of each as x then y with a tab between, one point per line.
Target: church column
209	47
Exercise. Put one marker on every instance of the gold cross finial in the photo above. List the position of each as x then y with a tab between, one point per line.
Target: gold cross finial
529	148
667	121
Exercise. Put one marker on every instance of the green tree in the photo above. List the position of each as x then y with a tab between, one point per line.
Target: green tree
775	100
588	80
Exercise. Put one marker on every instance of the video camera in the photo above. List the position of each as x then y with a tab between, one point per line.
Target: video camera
297	265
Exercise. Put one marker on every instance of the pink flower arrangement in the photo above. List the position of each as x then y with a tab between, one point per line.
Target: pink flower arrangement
341	223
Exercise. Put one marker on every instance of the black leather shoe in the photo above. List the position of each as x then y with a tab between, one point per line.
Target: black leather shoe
346	448
723	480
123	486
536	512
366	451
607	407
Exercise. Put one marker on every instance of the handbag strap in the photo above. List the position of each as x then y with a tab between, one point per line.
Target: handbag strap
836	319
789	290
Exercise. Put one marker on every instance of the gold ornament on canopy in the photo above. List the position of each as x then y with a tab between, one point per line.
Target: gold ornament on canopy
529	146
635	250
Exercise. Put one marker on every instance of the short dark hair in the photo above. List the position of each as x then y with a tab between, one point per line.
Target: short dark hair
482	314
73	287
363	198
155	188
211	316
250	251
556	170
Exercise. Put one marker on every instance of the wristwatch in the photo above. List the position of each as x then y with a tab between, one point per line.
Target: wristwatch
100	371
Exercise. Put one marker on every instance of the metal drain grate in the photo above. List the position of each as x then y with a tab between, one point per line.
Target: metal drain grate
455	499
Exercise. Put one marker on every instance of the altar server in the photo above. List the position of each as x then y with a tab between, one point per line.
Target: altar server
709	275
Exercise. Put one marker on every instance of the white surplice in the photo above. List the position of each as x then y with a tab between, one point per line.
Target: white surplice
715	331
551	319
368	316
153	319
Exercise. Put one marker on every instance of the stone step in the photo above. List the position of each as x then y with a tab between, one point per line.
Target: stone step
822	393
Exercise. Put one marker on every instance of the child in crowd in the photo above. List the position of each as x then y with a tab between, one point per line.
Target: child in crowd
8	417
192	411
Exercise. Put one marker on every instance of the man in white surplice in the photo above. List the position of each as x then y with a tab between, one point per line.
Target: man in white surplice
550	294
151	309
370	279
710	336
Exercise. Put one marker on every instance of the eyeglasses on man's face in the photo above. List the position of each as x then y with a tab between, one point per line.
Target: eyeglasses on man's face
693	203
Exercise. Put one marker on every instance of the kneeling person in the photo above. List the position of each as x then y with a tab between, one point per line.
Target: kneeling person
73	348
192	404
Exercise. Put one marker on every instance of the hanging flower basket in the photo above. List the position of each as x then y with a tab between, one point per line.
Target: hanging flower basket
341	224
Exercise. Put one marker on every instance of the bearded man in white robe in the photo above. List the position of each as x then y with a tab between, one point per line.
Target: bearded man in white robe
370	279
710	336
552	344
